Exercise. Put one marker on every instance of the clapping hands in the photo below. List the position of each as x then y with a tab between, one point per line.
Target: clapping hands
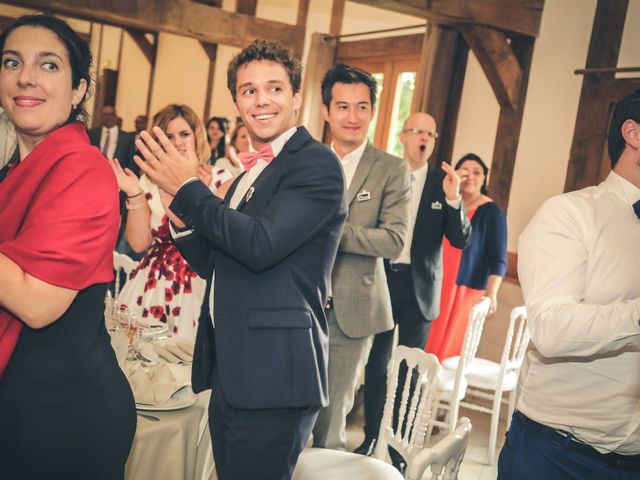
162	163
127	180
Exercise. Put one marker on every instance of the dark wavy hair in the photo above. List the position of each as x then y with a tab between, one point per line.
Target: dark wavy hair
475	158
264	50
626	109
80	57
223	125
342	73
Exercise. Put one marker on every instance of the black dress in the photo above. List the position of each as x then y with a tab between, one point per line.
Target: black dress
66	408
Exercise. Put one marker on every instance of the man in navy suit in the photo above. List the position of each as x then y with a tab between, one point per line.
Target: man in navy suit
267	252
415	276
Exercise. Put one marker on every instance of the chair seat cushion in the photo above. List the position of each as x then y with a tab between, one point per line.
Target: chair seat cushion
325	464
447	382
483	373
509	382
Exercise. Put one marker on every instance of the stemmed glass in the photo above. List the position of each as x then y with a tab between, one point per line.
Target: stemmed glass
128	323
111	308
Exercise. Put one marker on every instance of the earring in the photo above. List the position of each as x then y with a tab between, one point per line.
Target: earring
74	106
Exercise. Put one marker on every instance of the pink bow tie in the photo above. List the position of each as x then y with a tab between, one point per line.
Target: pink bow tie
249	159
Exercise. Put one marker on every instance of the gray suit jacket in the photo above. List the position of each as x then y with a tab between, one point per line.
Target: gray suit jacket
376	228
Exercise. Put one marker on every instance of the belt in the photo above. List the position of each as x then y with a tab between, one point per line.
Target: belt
569	441
399	267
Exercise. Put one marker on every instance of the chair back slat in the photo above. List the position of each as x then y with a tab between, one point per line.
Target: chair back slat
407	435
517	339
124	263
444	458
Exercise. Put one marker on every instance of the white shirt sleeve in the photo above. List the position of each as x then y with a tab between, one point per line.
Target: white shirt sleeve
553	255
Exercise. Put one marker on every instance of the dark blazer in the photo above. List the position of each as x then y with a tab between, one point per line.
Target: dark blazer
125	148
435	219
272	259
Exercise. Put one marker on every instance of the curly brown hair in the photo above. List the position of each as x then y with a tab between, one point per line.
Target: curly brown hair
264	50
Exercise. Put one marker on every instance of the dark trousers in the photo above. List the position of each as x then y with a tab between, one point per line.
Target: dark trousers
257	444
413	330
533	451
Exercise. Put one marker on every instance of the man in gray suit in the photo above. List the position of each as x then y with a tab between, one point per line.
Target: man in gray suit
378	196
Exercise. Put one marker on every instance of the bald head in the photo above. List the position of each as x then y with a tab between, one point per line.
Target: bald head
418	137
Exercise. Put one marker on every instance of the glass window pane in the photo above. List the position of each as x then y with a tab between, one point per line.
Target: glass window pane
401	108
379	78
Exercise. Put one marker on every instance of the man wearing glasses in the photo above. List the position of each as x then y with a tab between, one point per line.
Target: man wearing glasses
415	276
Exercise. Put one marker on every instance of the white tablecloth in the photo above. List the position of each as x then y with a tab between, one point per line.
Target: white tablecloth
178	447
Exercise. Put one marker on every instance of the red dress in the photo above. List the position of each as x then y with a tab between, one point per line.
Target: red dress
447	331
66	408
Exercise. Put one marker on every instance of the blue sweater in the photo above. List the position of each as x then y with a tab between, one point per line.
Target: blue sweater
487	253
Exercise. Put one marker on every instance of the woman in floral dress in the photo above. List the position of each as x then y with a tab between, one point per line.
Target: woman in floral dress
163	286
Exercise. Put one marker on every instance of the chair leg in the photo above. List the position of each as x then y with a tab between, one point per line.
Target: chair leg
434	417
493	431
452	415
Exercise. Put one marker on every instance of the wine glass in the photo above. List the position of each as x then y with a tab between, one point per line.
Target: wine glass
128	323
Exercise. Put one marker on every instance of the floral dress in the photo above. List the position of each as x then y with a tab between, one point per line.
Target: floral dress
163	286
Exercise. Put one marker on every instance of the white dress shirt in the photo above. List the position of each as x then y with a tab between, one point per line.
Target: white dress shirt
417	180
350	161
113	141
580	274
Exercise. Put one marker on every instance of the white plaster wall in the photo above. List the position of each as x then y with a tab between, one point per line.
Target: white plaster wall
133	83
550	110
629	51
181	73
478	116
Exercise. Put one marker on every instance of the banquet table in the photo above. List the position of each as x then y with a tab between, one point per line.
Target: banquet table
176	447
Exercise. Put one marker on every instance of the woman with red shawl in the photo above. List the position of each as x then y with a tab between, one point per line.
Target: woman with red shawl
66	409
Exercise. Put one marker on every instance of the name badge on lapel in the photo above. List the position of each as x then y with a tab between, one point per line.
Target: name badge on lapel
436	205
249	194
363	196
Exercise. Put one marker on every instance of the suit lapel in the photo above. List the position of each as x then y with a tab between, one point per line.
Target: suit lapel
362	171
293	145
426	197
232	188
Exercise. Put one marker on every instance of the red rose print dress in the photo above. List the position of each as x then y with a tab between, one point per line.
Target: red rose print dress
163	286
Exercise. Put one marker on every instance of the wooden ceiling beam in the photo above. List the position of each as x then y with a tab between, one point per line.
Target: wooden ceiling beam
497	60
392	46
140	39
180	17
303	13
515	16
587	161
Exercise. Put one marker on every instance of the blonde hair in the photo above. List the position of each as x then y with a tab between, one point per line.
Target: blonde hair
173	111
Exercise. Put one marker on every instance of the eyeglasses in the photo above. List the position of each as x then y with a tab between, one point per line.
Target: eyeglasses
416	131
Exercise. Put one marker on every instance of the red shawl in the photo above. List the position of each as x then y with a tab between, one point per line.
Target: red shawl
58	218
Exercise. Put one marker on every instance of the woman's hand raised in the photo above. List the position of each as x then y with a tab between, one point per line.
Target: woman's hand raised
127	180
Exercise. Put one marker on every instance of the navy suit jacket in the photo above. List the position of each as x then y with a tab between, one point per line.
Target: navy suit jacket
272	259
435	220
125	148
